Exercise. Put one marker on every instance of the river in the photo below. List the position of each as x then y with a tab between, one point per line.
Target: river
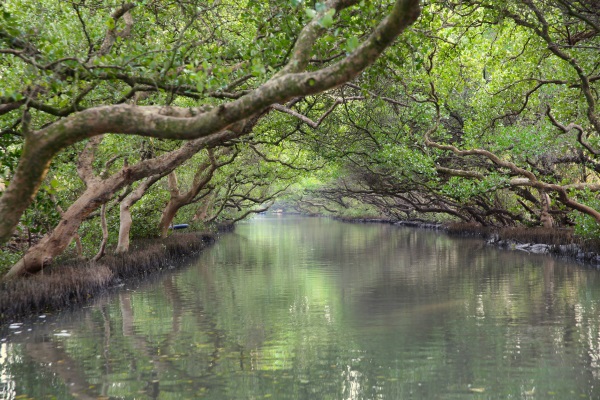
309	308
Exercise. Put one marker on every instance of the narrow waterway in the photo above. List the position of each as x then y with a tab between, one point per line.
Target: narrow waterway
308	308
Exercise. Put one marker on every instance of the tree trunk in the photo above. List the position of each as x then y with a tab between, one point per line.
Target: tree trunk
545	218
53	244
168	215
125	212
102	249
76	238
124	227
202	177
202	212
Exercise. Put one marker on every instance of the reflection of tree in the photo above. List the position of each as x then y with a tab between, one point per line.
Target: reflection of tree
279	317
53	356
161	366
7	379
585	316
149	366
139	343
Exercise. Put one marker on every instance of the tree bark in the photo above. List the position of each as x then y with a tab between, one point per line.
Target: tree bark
41	254
102	249
167	217
125	219
172	206
545	218
202	212
76	237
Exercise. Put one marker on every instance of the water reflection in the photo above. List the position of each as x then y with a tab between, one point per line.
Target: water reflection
312	308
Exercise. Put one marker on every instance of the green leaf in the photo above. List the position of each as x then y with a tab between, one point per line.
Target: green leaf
327	20
110	23
258	68
351	44
310	13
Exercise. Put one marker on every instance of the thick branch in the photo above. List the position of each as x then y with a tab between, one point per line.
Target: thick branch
530	179
112	33
309	121
85	169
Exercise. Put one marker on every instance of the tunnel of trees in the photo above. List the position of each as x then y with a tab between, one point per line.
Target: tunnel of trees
118	119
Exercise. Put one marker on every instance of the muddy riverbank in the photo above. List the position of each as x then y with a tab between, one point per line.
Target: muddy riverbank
75	282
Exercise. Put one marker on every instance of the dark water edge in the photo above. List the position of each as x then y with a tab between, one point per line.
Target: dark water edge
555	242
74	283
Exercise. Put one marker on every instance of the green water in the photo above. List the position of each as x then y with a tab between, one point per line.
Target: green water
306	308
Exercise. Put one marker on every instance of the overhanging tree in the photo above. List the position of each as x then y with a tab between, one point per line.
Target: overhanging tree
44	129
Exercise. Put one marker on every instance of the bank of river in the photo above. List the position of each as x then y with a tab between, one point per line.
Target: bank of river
303	308
75	282
558	242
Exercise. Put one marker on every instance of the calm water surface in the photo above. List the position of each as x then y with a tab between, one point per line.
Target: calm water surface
306	308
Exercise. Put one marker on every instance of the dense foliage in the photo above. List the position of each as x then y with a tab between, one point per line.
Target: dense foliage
494	119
